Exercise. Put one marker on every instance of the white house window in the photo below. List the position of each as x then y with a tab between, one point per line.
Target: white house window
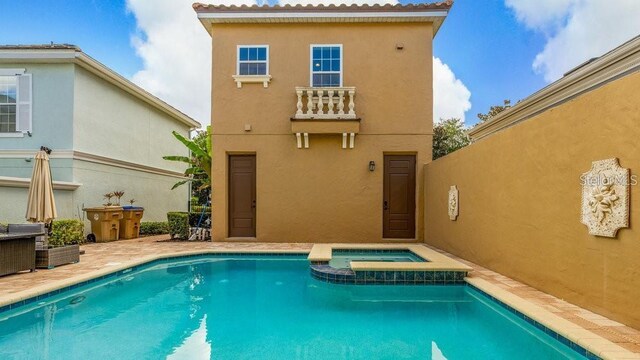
8	103
326	65
15	102
253	60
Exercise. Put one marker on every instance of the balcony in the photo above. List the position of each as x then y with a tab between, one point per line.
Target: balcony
325	110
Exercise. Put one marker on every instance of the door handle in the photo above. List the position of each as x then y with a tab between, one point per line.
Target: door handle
385	205
253	204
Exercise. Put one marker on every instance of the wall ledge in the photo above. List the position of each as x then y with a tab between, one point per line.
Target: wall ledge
93	158
7	181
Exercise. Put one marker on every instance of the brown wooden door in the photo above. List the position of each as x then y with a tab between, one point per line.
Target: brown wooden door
399	203
242	196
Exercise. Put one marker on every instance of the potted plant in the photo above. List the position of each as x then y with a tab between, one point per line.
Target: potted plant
62	246
118	195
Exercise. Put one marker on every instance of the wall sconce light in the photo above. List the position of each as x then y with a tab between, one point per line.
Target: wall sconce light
372	165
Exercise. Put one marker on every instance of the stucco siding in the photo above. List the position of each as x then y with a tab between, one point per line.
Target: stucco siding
52	107
394	87
78	114
61	169
321	194
13	204
112	123
520	201
52	117
324	193
151	191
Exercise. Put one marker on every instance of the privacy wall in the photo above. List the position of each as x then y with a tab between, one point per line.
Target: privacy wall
520	201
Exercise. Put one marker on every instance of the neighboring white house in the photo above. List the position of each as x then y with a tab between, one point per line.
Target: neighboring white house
106	134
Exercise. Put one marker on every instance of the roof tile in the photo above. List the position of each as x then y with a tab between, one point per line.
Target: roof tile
210	8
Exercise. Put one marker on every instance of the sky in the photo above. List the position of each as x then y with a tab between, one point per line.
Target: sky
486	51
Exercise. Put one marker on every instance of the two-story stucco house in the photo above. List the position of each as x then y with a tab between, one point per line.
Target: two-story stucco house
322	120
106	134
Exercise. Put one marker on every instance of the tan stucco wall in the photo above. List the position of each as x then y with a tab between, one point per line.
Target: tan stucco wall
324	193
520	197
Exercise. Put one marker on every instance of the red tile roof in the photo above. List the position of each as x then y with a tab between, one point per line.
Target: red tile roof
208	8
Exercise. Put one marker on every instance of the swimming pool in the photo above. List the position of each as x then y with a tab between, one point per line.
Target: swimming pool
265	308
340	259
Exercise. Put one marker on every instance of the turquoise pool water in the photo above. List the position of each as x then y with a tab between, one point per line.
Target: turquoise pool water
343	259
265	308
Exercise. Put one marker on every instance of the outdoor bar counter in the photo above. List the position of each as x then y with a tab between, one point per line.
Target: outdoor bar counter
17	252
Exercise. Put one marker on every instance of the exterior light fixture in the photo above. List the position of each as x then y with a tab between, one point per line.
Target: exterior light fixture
372	165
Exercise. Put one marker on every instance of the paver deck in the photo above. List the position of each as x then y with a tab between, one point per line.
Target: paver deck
99	257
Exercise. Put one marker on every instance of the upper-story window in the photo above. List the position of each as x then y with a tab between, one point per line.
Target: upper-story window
15	102
253	60
326	65
8	103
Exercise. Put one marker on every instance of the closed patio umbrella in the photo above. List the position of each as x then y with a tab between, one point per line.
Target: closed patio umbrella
41	206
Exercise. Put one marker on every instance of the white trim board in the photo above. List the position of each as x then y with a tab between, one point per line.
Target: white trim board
8	181
92	158
97	159
17	154
430	16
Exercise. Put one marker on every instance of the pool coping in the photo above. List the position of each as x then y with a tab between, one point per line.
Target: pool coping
533	313
588	340
435	260
79	280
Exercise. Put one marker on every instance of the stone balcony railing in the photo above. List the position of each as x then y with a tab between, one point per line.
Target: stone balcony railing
333	103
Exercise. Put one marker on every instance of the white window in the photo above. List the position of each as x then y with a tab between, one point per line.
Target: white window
8	103
253	60
326	65
15	102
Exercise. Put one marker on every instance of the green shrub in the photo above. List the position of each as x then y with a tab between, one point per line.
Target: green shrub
178	225
66	232
154	228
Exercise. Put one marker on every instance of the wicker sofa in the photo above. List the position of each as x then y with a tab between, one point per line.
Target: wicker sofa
46	257
17	250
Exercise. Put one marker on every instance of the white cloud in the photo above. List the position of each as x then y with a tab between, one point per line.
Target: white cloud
176	54
450	95
577	30
541	14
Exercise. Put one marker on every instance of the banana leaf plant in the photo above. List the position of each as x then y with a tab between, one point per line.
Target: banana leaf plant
198	171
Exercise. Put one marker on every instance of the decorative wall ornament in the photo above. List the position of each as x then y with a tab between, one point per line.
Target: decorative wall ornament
605	198
453	203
